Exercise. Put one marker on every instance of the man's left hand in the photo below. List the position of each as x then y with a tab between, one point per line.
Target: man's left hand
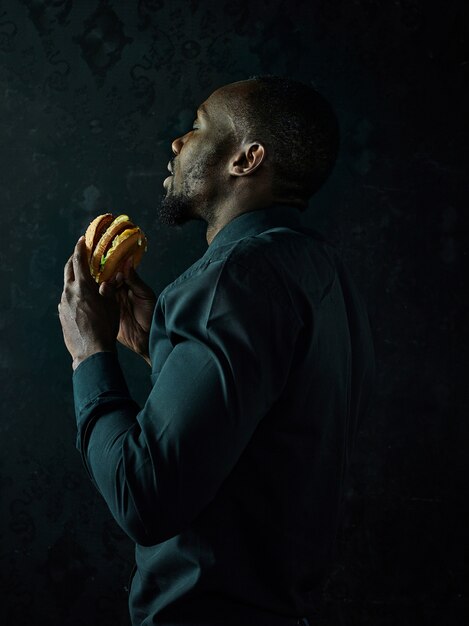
90	321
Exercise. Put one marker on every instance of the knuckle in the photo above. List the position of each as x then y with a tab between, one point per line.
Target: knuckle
82	281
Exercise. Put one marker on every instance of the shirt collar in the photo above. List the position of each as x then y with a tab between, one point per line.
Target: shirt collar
255	222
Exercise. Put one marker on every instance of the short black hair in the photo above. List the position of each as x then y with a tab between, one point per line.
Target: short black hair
299	128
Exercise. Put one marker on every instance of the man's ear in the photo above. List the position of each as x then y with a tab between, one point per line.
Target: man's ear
247	159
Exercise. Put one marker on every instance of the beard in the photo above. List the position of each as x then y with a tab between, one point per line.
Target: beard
177	208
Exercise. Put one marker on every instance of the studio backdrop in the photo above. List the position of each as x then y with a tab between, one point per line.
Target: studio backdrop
91	95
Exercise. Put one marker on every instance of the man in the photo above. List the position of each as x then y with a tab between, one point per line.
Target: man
230	479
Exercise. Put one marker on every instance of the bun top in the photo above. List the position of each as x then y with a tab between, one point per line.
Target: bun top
95	230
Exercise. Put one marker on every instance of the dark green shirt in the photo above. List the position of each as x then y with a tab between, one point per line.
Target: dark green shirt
230	478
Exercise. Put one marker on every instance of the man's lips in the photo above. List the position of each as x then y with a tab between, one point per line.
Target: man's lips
168	178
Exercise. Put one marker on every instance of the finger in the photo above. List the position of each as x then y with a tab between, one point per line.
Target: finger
107	289
62	308
81	266
69	275
118	280
128	266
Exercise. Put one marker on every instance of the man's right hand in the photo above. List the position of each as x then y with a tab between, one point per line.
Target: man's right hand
137	303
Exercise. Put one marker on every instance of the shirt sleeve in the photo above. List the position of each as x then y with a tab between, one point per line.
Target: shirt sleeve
158	467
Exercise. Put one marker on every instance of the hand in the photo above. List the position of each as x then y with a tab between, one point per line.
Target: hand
90	323
137	303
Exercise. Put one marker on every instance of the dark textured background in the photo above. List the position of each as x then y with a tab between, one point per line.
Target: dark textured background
92	93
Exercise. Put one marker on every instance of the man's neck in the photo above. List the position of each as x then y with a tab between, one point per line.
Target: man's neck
228	212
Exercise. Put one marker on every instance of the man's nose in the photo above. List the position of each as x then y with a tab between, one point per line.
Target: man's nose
177	145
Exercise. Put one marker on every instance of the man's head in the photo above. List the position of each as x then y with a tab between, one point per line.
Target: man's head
254	142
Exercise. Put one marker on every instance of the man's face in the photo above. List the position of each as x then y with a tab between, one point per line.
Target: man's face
200	160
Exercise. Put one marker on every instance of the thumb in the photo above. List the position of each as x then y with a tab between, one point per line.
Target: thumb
106	290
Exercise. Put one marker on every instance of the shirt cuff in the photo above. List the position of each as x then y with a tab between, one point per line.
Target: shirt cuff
98	375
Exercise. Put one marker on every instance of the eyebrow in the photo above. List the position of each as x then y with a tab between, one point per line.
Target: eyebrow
202	110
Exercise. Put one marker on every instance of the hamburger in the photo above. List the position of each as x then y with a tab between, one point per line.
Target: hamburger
110	241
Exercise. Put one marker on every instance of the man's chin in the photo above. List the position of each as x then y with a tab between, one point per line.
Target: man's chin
175	210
